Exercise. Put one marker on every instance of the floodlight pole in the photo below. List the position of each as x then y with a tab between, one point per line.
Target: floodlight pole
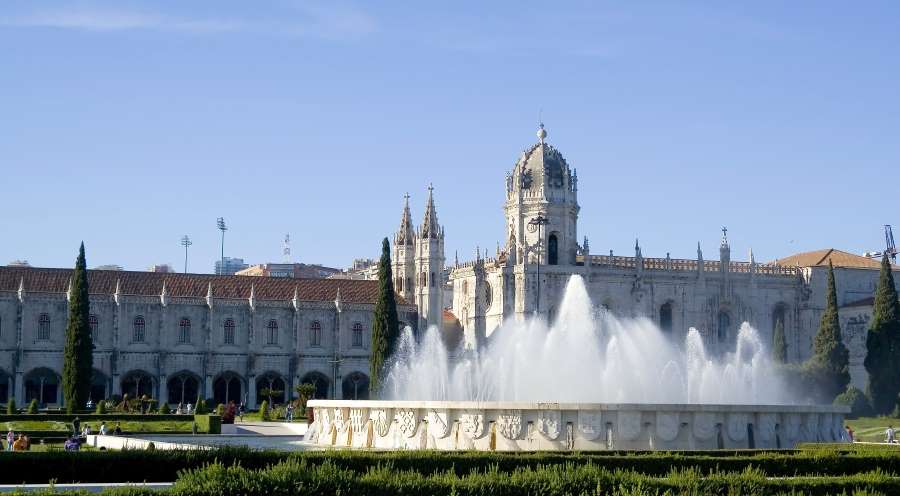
220	223
537	224
185	242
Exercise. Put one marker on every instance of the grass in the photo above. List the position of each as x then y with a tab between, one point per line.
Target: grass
127	426
871	429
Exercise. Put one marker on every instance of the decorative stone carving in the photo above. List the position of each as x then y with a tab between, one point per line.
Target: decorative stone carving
590	424
548	423
472	423
766	423
667	425
837	427
509	423
704	425
439	423
793	423
811	426
629	425
324	416
825	427
341	419
408	421
382	418
736	425
358	419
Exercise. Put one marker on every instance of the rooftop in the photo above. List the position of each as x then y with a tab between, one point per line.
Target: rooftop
838	258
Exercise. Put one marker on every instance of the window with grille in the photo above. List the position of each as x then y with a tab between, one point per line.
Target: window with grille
272	332
315	334
184	333
229	331
44	326
138	336
357	335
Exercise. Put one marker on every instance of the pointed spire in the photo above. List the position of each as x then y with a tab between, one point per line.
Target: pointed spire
406	233
338	303
252	299
456	258
209	296
21	292
69	291
699	252
164	295
430	228
117	296
296	300
724	236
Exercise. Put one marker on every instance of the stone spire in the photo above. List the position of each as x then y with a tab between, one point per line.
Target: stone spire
164	295
21	292
69	291
724	252
209	296
117	296
430	228
296	300
252	299
405	234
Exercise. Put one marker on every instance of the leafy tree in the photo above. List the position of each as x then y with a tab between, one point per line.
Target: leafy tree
779	345
386	325
200	406
269	393
829	367
856	400
78	358
883	343
305	391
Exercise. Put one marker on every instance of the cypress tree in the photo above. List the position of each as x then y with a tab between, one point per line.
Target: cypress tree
830	363
882	343
779	345
78	359
386	325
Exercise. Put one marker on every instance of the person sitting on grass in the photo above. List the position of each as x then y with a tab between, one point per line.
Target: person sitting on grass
71	444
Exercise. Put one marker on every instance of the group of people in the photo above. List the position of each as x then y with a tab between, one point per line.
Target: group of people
184	409
20	443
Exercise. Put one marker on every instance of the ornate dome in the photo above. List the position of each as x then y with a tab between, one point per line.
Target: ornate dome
541	167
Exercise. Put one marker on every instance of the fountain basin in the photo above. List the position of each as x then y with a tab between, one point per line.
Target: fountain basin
518	426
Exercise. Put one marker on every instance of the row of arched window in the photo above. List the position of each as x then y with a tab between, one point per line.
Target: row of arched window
184	330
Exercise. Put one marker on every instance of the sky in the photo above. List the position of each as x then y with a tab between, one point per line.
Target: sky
128	124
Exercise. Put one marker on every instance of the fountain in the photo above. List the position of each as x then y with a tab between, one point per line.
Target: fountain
588	381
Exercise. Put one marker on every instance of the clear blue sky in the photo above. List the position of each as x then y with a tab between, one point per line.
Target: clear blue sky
131	123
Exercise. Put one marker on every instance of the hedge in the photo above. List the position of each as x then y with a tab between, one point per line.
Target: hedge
92	417
208	424
163	466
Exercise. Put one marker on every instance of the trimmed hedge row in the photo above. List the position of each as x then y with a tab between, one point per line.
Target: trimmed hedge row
208	424
90	417
163	466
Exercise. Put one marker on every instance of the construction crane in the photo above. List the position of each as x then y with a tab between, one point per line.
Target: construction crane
889	247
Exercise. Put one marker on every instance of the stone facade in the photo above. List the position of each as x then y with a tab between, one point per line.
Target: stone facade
174	336
543	250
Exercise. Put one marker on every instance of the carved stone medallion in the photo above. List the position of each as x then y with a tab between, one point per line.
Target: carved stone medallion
825	427
704	425
509	423
667	425
736	424
629	424
810	427
439	423
590	424
408	421
382	418
767	423
793	425
548	423
472	423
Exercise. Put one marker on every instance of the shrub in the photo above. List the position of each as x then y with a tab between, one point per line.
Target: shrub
220	409
200	406
101	407
208	424
305	391
33	407
230	412
11	407
856	400
164	409
264	411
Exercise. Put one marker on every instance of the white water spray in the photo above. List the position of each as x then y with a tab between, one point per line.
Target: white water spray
585	358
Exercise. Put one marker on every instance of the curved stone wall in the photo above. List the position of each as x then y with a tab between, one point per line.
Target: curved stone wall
512	426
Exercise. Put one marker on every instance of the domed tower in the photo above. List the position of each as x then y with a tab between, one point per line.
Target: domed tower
404	257
542	186
430	267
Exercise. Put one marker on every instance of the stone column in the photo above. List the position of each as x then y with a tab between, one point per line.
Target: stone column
20	389
208	387
251	392
163	389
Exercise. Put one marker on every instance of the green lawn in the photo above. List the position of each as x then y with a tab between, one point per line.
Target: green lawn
871	429
127	426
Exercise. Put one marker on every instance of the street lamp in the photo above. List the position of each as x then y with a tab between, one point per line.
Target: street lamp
537	224
185	242
220	223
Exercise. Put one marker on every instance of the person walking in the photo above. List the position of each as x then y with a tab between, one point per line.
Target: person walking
76	426
10	439
889	435
849	434
290	412
241	411
102	428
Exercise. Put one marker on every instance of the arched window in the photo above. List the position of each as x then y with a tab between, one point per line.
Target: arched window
357	335
229	331
184	330
93	324
665	317
552	250
315	334
724	325
138	336
399	284
272	332
44	326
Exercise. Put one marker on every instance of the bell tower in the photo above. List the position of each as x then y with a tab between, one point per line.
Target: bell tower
542	207
404	256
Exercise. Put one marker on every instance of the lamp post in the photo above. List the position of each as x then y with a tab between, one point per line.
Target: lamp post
220	223
537	224
185	242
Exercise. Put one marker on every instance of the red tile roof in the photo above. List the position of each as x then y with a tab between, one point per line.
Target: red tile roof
192	285
821	257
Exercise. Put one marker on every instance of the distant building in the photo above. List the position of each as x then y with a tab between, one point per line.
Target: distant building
295	270
109	267
19	263
164	268
362	269
231	265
